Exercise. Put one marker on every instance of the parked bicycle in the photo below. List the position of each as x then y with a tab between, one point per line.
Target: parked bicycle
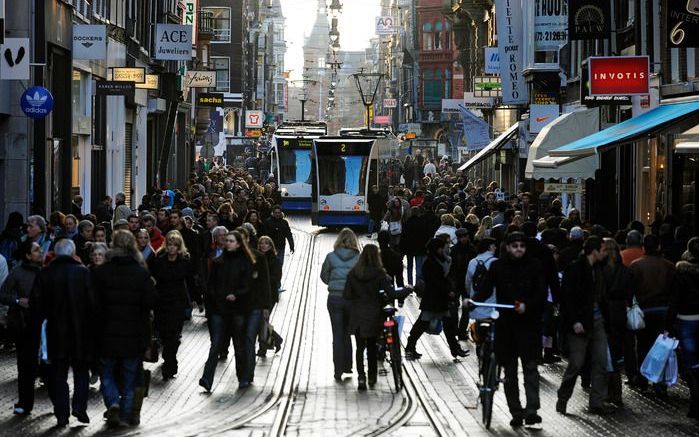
391	334
488	367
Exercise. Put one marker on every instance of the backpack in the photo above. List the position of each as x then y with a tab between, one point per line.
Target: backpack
480	274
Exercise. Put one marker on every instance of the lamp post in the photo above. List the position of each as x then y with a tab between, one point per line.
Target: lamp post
303	97
368	85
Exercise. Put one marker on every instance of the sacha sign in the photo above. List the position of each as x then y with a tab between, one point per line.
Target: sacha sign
619	75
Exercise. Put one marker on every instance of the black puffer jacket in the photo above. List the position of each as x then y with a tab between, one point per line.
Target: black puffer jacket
230	274
684	295
173	280
259	293
126	294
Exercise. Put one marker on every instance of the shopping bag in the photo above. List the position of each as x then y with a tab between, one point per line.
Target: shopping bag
43	349
395	228
634	316
671	369
653	366
384	225
435	327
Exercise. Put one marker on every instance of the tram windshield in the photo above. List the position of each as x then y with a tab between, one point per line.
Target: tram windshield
342	175
295	166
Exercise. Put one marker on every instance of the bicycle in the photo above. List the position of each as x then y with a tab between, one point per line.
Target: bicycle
391	335
488	369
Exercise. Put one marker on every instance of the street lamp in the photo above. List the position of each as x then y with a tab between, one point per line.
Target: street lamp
335	8
368	85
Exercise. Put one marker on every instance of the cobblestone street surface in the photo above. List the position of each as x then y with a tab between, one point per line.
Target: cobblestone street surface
295	394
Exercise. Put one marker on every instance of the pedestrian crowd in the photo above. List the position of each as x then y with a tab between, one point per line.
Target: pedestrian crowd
571	282
102	292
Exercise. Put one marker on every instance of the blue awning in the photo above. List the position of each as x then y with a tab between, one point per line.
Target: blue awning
628	130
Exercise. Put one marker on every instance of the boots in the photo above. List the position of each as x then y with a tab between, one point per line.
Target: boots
614	389
138	395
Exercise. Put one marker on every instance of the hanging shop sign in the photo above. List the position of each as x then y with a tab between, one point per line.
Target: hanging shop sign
510	37
190	18
254	119
253	133
200	79
89	41
619	75
173	42
115	88
36	102
129	74
589	19
386	25
152	82
492	60
562	188
382	119
682	23
595	101
211	99
550	24
487	86
451	105
390	103
541	115
14	59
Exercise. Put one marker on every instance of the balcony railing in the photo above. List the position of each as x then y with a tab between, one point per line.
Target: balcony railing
206	22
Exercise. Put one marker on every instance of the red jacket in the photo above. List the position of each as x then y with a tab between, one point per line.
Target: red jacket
156	239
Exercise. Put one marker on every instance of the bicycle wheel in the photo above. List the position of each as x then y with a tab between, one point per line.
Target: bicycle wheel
490	380
397	366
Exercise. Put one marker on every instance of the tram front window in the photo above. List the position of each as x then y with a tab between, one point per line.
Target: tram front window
342	175
295	166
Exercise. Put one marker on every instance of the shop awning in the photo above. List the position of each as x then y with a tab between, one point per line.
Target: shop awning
491	148
563	130
628	130
687	148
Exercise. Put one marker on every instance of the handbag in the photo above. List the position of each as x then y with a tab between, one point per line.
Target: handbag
395	228
634	316
152	352
435	327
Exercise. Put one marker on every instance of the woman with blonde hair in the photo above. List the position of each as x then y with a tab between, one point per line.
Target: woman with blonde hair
174	275
336	267
485	227
473	219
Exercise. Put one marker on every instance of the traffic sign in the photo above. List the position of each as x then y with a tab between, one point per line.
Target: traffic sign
36	102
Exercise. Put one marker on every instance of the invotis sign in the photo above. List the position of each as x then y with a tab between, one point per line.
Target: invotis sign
173	42
619	75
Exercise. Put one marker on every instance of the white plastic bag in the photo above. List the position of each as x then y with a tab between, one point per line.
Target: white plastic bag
43	350
395	228
671	369
384	225
634	316
653	367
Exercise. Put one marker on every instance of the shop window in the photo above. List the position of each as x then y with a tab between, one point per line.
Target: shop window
221	24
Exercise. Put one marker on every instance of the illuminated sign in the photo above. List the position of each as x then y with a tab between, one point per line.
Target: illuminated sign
619	75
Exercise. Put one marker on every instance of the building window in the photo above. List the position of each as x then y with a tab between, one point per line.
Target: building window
447	84
427	36
432	88
221	23
447	36
222	66
438	36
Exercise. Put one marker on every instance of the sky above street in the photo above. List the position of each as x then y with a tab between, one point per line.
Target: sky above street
356	27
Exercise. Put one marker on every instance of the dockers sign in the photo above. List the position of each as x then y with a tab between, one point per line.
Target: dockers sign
619	75
89	41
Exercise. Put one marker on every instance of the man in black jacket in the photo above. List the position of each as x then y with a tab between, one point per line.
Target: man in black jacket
63	296
461	254
277	228
518	280
585	316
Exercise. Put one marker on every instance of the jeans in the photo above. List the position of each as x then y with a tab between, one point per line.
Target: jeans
531	387
339	310
578	346
221	329
370	345
417	261
118	383
280	255
372	226
689	343
58	386
252	328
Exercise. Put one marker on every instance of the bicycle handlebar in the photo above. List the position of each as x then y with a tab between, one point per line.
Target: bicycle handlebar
492	305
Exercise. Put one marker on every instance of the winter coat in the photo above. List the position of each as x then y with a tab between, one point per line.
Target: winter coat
335	268
122	211
569	254
684	295
229	275
377	206
18	285
259	290
536	249
156	239
393	263
174	280
64	296
416	234
275	275
126	294
193	245
522	280
362	292
652	279
80	249
279	231
578	295
435	297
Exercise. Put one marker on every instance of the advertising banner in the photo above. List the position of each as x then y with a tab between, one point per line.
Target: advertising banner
386	25
152	82
89	41
115	88
682	23
14	62
190	18
589	19
619	75
254	119
173	42
200	79
492	60
476	130
510	37
382	119
36	102
550	24
595	101
541	115
129	74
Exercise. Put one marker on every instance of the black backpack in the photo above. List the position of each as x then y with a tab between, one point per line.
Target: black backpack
480	274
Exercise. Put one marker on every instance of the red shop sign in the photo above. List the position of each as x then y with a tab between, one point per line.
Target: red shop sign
619	75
